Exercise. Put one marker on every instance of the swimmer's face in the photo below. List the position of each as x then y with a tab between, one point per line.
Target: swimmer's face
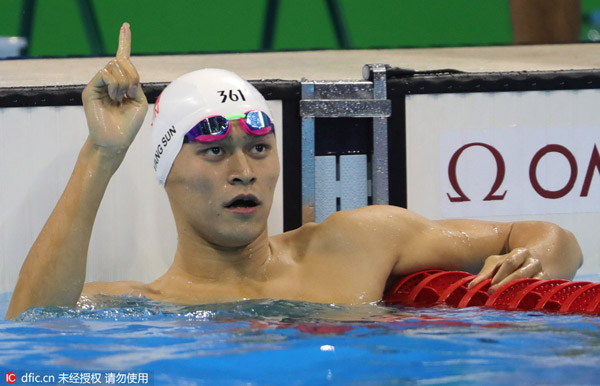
223	190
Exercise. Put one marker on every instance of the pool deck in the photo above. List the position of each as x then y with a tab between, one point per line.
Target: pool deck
313	65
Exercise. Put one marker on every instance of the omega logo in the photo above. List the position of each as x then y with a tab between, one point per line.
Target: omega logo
494	194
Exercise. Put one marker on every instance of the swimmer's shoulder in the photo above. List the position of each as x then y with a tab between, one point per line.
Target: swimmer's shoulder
126	287
348	229
293	244
367	220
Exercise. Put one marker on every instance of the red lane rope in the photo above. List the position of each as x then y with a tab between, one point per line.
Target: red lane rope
432	287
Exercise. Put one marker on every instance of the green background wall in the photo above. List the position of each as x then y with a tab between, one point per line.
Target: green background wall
184	26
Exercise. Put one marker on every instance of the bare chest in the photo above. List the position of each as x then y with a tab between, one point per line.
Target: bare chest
315	279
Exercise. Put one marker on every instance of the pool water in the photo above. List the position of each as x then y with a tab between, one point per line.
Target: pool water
268	342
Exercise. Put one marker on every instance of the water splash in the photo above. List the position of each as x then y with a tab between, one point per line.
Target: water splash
131	308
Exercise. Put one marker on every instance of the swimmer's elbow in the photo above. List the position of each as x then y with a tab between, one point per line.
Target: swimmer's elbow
568	256
576	252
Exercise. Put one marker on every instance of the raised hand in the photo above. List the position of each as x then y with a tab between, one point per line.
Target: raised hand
113	101
115	106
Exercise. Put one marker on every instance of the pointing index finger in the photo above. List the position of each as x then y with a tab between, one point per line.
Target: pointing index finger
124	42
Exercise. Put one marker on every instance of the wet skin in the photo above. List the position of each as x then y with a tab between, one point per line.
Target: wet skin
224	252
207	179
221	195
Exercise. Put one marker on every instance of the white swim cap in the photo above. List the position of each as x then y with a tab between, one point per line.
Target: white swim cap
191	98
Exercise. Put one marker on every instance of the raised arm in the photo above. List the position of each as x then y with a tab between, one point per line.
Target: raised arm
115	106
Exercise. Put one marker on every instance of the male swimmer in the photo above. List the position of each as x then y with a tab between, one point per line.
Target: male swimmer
216	155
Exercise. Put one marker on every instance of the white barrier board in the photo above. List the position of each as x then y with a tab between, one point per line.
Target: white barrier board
508	156
134	236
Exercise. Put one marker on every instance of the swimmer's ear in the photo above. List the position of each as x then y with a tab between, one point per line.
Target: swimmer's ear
124	50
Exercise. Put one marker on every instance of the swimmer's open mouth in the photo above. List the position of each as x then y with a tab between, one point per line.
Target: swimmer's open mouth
243	201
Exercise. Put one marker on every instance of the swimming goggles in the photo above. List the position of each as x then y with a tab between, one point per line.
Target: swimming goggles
216	127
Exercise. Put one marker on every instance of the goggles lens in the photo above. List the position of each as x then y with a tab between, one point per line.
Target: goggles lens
213	125
217	127
257	120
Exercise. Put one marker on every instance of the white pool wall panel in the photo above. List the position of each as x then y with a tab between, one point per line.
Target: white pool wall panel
353	181
518	124
326	187
134	236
